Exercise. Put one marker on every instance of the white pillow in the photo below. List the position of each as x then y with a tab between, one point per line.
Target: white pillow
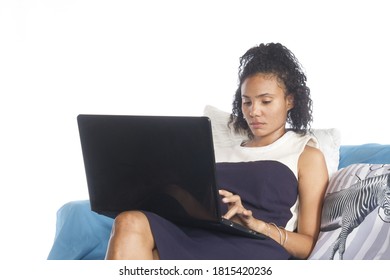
329	141
224	136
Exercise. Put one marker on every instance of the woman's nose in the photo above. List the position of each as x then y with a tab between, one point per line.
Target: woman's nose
255	110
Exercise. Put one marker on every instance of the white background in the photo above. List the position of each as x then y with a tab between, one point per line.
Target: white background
62	58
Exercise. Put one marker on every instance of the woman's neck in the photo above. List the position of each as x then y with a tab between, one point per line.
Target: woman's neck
262	141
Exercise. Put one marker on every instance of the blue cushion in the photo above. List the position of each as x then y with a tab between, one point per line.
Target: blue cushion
365	153
81	234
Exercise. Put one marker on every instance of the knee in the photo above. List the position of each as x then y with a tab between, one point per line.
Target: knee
131	221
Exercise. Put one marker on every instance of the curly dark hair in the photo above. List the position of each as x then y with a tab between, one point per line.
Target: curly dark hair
275	59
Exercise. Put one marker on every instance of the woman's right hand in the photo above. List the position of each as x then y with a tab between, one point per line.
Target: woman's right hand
237	212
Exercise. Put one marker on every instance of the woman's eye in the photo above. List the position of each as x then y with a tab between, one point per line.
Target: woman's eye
266	101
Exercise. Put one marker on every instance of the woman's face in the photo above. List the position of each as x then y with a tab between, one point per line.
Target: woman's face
265	106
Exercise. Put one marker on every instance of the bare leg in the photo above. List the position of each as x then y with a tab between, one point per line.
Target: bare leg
131	238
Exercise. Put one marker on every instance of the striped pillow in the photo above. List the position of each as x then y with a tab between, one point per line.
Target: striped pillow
356	214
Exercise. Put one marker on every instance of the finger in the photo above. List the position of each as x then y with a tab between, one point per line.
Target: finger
231	212
247	214
239	211
225	193
232	199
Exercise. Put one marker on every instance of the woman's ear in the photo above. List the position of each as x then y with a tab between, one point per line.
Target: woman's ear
290	101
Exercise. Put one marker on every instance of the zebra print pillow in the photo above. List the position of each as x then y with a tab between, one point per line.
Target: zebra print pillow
355	220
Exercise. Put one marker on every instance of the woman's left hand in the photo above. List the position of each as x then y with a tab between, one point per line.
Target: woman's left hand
236	211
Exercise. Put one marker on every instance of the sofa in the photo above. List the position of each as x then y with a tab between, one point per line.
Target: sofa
355	221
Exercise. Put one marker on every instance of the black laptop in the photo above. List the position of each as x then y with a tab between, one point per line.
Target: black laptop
161	164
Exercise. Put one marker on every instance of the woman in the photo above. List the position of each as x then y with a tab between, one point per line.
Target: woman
272	183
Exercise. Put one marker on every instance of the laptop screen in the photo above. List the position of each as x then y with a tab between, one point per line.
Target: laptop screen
160	164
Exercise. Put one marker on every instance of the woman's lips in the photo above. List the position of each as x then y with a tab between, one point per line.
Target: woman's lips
257	125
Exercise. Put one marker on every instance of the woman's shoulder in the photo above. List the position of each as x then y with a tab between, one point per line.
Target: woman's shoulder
312	153
303	138
312	158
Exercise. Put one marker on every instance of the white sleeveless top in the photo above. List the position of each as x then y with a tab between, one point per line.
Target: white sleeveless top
285	150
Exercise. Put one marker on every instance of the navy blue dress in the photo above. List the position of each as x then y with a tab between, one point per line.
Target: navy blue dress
267	187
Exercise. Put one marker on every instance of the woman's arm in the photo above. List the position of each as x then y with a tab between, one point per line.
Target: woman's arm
312	183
